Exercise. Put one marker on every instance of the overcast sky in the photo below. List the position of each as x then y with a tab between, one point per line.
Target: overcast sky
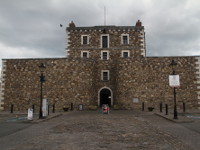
30	28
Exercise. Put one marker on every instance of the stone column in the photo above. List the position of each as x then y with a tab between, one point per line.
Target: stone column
2	85
198	80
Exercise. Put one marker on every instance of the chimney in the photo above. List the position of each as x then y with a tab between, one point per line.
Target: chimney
72	25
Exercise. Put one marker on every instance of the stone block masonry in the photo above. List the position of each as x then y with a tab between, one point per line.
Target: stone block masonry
67	81
78	81
135	38
147	80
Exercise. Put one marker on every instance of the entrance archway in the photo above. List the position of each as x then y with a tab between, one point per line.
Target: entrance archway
105	96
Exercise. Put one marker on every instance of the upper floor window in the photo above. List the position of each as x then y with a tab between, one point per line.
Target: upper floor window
105	75
84	54
124	39
125	54
105	41
104	55
84	39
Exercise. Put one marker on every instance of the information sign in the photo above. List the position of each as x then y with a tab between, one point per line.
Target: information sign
174	80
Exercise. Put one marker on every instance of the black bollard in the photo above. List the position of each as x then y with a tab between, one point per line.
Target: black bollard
166	107
11	108
53	108
160	107
33	107
143	106
72	107
48	109
183	107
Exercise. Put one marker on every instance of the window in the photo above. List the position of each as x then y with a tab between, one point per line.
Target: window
105	75
104	55
125	54
104	41
124	39
84	39
84	54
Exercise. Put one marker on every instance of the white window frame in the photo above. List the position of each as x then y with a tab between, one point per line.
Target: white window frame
84	52
101	44
122	41
122	54
82	39
102	71
102	55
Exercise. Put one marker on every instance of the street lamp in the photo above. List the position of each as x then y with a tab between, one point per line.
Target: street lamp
173	64
42	79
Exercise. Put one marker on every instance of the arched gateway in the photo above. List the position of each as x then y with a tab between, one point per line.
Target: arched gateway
105	96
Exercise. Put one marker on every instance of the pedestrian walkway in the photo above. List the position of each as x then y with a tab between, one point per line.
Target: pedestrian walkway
182	118
184	128
22	116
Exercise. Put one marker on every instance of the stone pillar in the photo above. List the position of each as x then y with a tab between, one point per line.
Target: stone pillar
142	43
198	80
2	85
68	43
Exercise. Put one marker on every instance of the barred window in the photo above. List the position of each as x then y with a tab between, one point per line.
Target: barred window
104	55
84	54
105	41
84	39
105	75
125	53
124	39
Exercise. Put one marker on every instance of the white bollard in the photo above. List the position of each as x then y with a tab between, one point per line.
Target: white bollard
30	114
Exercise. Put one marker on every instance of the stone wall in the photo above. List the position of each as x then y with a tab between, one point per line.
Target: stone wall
147	80
78	81
67	81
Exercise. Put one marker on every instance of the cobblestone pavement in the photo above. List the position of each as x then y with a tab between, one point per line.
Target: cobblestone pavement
91	130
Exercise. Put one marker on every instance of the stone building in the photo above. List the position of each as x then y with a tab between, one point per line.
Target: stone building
104	65
1	105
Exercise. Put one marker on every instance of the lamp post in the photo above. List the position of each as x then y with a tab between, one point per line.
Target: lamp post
42	79
173	64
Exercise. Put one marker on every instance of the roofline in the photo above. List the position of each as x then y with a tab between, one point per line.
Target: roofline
53	58
105	27
171	56
34	58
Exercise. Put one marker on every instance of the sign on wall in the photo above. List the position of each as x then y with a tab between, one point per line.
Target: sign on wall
174	80
135	100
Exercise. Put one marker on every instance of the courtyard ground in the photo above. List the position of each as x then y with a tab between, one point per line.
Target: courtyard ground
92	130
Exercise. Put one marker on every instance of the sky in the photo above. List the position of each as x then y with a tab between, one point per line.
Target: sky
31	28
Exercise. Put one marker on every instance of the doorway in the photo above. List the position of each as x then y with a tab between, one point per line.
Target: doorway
105	97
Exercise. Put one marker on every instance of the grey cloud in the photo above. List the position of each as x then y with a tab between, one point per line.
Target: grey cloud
172	27
174	30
